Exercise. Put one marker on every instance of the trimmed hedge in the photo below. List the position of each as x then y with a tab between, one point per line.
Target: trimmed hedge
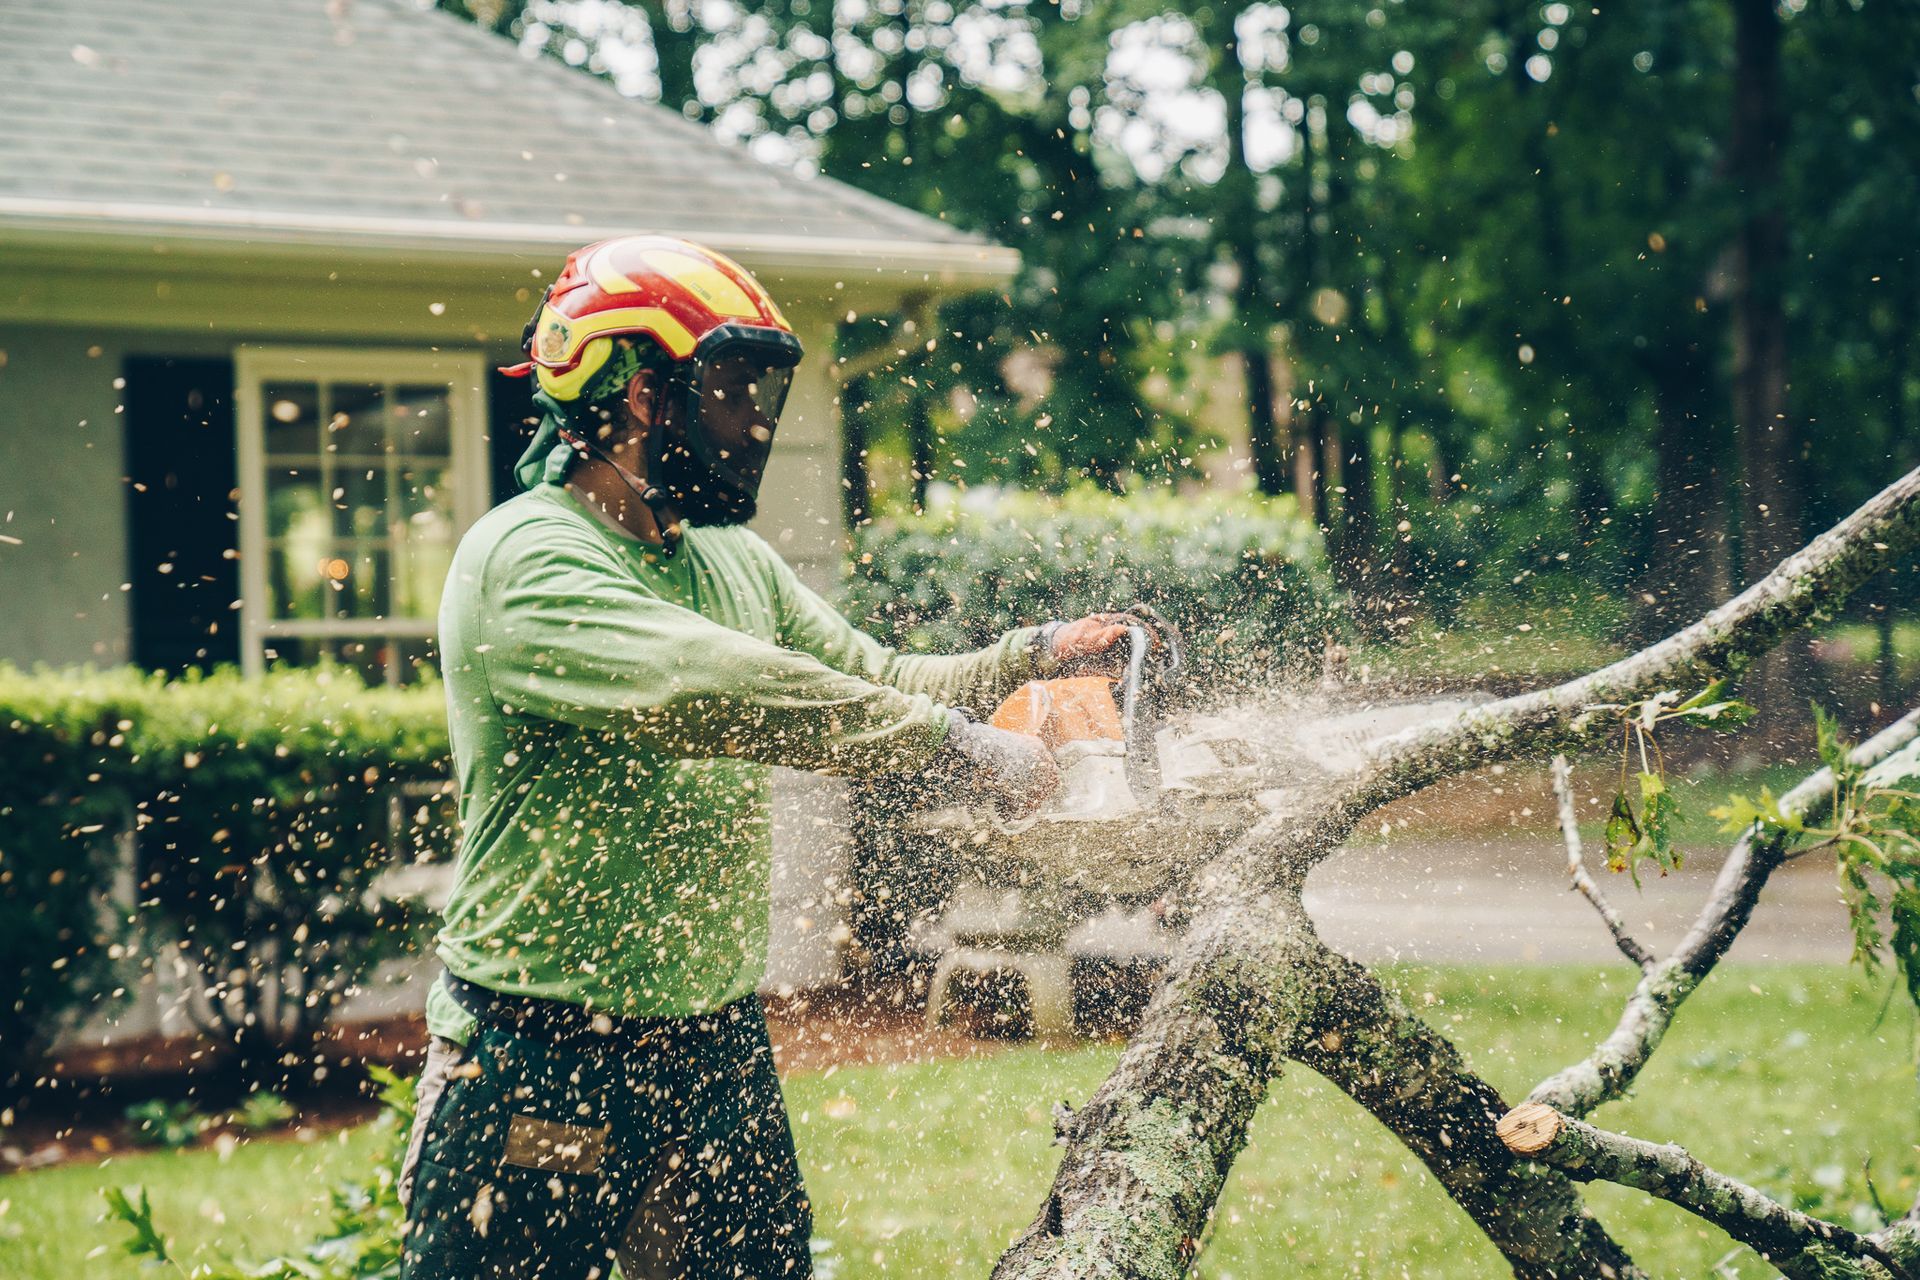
62	802
1244	577
262	816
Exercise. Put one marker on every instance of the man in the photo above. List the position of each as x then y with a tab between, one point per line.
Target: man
623	660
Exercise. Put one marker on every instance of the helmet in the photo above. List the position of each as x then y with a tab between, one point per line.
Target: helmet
728	351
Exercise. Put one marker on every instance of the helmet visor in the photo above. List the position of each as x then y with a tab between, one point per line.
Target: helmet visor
736	407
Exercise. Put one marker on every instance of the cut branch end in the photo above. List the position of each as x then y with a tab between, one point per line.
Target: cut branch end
1529	1128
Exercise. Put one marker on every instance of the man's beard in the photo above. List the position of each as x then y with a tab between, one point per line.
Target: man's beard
698	494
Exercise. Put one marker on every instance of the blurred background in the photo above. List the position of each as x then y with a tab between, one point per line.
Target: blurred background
1564	314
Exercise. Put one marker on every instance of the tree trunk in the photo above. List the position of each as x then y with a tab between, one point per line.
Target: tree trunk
1687	566
920	439
1359	541
1802	1246
856	488
1309	448
1241	215
1769	457
1412	1079
673	51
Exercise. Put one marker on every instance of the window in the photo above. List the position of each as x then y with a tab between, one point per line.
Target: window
359	470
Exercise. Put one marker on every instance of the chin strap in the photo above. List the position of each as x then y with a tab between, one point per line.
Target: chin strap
655	498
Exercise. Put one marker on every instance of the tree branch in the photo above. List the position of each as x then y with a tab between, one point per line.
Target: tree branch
1577	870
1377	1051
1146	1159
1610	1069
1797	1243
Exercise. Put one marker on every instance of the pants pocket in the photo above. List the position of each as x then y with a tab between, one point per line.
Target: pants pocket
444	1057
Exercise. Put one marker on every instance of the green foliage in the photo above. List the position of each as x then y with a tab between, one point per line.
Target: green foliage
159	1123
264	833
1872	831
136	1210
263	1110
1646	834
1433	238
264	813
362	1240
1244	578
64	769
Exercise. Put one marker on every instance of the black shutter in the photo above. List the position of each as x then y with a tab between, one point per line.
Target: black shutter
182	525
511	419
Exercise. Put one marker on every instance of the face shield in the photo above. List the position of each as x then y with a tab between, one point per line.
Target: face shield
738	386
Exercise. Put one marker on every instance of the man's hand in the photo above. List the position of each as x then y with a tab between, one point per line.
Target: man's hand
1013	771
1096	644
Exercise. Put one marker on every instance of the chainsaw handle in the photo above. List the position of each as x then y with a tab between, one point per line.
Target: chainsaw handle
1142	694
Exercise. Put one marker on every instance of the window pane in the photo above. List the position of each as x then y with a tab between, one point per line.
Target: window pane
357	579
360	516
296	580
365	654
357	426
428	532
292	418
421	422
421	574
294	508
360	500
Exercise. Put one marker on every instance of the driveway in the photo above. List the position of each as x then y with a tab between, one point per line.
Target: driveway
1505	898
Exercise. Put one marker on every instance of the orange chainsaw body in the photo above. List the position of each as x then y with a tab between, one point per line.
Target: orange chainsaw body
1073	709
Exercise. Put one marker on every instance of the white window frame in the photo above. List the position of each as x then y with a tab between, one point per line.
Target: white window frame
464	375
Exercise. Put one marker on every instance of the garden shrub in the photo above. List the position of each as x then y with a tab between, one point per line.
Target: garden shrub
63	804
263	812
1244	577
264	828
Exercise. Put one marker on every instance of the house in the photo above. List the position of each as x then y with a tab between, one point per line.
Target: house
258	262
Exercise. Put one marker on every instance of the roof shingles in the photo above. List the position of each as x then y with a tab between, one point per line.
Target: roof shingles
374	108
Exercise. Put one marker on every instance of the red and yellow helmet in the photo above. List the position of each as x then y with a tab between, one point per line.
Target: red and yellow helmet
690	300
729	352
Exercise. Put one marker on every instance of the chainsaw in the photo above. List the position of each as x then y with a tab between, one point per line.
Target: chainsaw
1147	789
1103	731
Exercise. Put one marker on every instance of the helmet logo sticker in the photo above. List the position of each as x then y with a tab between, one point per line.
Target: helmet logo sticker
553	340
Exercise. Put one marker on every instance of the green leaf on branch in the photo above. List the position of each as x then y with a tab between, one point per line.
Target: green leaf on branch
1904	912
1647	834
1863	913
1622	833
1657	818
1711	706
1741	812
1831	743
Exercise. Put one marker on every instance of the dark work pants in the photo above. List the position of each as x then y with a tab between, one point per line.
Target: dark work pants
548	1157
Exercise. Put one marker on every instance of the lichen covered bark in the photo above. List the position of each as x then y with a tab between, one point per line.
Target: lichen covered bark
1148	1153
1369	1044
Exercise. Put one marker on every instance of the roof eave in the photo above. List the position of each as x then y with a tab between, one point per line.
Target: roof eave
956	265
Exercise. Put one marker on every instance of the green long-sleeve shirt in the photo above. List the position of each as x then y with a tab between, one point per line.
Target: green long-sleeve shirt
613	713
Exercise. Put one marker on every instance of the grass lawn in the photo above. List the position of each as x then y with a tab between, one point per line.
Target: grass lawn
1779	1075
